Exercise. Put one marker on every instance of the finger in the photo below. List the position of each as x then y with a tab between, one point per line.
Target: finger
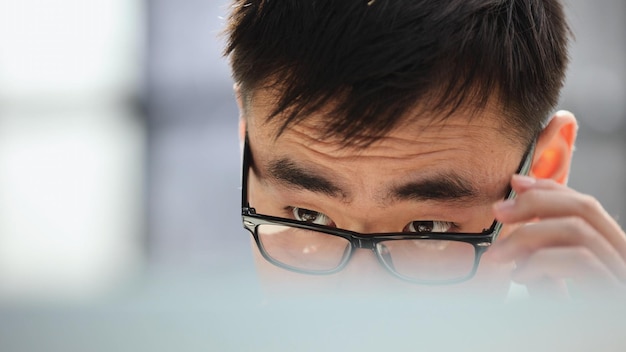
521	183
536	203
548	288
562	232
544	203
583	269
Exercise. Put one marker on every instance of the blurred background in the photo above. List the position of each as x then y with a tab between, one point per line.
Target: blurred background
119	157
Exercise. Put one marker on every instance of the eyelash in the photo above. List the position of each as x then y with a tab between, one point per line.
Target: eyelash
454	227
289	213
290	209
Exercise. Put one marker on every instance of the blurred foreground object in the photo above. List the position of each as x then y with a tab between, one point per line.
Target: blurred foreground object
71	147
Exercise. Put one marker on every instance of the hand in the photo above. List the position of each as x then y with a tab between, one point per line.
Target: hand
568	243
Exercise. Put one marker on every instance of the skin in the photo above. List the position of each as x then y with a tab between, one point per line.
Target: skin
572	244
571	237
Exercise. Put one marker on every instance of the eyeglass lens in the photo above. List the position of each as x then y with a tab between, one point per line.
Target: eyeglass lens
318	252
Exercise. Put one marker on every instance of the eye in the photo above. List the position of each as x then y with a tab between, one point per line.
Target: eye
429	226
310	216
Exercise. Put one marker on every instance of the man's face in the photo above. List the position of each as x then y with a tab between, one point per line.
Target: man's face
439	174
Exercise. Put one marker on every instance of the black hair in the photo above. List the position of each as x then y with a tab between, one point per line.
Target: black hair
377	60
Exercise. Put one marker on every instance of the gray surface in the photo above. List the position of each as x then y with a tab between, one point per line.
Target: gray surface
193	164
382	325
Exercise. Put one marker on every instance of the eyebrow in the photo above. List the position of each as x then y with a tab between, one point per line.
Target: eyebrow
440	187
437	187
287	172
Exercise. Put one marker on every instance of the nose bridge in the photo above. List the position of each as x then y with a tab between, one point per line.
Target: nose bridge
370	220
364	267
367	218
370	210
367	228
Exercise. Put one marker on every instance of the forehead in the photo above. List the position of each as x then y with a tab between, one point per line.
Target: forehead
471	147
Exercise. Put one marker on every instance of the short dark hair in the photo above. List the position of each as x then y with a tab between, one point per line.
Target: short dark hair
376	60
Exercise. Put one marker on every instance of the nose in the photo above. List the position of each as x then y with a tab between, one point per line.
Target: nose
364	270
365	225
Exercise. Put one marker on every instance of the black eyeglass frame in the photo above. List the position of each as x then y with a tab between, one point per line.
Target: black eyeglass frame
480	241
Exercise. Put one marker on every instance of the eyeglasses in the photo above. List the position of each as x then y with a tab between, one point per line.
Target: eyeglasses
422	258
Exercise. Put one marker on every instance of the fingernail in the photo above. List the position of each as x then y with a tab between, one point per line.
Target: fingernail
505	206
525	181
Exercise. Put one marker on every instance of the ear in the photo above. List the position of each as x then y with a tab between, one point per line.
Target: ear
242	119
553	154
242	130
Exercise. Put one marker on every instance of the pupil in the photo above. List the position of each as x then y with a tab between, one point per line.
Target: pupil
307	215
425	227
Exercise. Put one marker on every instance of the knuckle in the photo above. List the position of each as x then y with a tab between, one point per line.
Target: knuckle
577	228
586	257
588	203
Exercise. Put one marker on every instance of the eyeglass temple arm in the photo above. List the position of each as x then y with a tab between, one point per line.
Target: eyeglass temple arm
245	204
523	170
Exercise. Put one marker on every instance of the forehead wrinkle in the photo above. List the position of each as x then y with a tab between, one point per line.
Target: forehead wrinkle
387	195
435	141
395	143
388	147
